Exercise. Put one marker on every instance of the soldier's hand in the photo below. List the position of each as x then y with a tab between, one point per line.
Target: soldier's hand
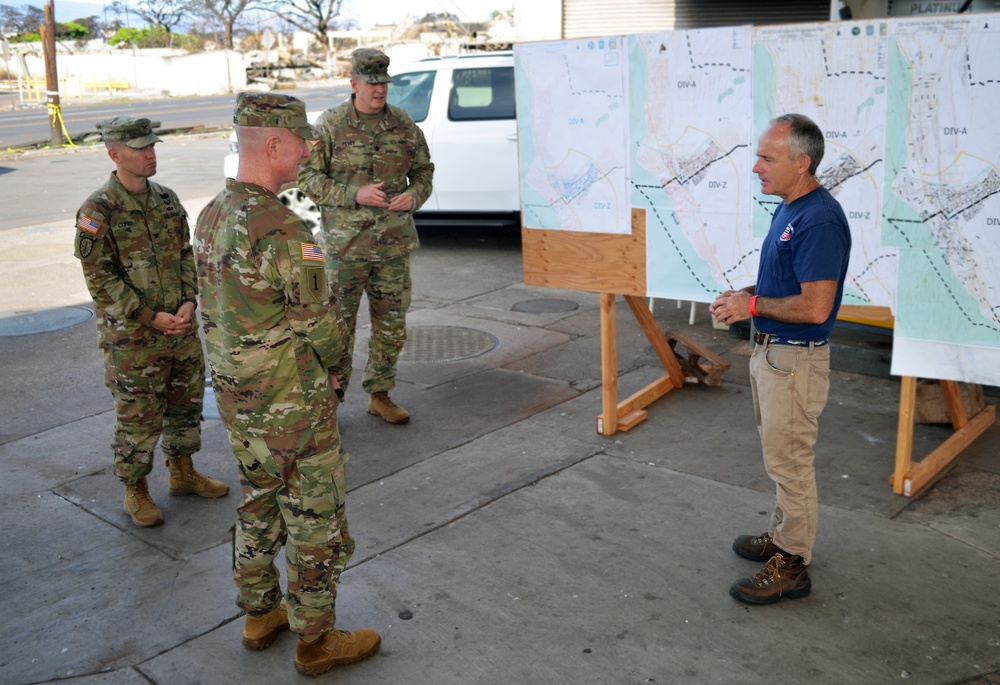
185	313
168	324
335	382
372	195
401	203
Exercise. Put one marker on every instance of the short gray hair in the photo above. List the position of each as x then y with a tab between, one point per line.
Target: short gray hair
804	138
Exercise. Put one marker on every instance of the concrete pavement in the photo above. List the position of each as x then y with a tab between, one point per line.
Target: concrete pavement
500	538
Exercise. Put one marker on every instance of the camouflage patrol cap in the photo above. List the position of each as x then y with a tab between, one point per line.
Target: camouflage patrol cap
132	132
273	110
370	65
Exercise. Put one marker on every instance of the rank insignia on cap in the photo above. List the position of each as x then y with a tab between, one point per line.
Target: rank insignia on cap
312	253
89	225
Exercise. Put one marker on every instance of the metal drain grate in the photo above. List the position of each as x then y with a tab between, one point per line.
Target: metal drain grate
445	344
43	321
548	306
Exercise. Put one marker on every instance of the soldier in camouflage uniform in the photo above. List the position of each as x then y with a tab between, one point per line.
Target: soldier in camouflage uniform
132	240
369	173
273	335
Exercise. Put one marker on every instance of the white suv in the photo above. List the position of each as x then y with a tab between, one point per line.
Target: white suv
465	107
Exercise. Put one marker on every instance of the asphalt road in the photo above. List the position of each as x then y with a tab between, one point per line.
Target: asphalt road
28	126
48	187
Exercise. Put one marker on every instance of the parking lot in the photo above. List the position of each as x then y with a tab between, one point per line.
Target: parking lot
500	538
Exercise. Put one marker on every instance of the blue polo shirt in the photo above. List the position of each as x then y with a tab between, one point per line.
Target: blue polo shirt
809	240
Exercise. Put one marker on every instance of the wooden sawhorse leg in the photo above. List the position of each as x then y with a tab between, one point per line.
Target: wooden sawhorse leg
909	476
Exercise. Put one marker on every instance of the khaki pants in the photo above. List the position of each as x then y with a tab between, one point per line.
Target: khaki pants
790	385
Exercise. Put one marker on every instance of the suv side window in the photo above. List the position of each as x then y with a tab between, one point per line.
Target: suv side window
412	92
478	94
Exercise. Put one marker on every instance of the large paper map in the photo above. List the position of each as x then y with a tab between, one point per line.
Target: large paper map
834	73
942	196
572	118
909	112
691	131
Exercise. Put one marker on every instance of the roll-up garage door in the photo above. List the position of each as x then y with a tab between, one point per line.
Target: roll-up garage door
584	18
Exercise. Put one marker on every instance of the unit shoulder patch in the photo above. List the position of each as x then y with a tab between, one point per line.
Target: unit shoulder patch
91	226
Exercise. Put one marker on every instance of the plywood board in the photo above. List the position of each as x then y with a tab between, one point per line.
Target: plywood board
589	262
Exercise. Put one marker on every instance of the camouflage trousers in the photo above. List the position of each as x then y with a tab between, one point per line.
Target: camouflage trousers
389	289
157	391
297	502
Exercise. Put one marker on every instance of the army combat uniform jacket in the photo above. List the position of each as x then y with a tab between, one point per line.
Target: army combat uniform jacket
129	247
349	157
271	328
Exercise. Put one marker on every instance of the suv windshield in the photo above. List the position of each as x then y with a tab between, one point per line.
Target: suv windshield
412	92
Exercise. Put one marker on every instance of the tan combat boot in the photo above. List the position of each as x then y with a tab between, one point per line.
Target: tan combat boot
185	480
379	404
334	648
139	505
259	631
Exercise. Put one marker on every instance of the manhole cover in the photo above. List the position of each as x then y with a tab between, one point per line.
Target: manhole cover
445	344
44	321
546	306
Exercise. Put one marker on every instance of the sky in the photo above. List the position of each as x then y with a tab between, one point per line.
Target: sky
366	12
369	13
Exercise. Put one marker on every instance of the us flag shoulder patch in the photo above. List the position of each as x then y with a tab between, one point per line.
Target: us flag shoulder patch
89	224
312	253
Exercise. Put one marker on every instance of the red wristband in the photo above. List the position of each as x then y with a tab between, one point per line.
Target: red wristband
753	306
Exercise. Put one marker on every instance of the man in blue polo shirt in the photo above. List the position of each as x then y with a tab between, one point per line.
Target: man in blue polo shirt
800	282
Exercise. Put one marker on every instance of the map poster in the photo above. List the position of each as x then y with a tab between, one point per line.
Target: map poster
836	74
942	196
572	121
690	147
942	330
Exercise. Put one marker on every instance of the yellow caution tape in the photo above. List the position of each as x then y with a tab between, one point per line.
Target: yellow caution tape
55	111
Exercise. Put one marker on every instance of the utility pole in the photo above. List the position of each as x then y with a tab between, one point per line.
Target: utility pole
48	33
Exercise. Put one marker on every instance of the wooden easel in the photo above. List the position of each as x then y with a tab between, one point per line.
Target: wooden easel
909	476
611	264
621	416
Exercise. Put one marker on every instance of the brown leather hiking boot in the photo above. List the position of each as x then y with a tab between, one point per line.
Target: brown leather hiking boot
139	505
260	631
185	480
334	648
379	404
782	576
755	548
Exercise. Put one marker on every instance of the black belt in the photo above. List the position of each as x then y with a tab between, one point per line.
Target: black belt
772	339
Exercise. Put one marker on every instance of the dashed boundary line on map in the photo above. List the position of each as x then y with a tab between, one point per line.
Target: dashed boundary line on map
846	72
569	80
926	253
705	65
690	269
